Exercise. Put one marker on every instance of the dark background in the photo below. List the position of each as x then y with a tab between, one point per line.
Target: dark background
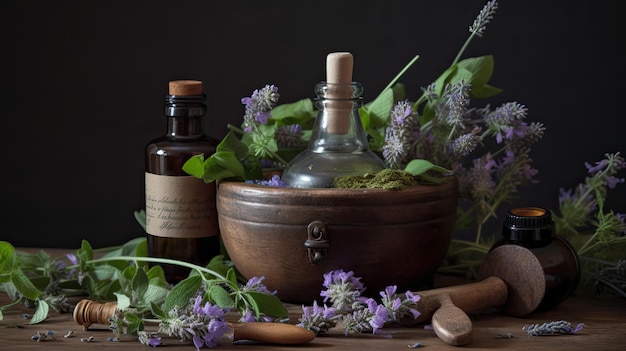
83	85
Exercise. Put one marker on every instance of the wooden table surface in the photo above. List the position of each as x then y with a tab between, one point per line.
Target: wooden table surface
604	319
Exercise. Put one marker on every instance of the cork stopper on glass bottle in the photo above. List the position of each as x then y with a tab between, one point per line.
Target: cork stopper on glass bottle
339	66
185	87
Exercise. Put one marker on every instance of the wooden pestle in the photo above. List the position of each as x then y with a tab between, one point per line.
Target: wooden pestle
88	312
512	279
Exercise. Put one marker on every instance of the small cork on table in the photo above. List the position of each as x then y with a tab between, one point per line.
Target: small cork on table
185	87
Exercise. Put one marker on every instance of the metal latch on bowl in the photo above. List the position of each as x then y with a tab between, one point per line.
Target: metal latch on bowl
316	243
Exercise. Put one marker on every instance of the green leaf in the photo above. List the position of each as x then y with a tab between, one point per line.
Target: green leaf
134	323
154	293
418	166
217	265
232	143
140	283
24	285
480	68
157	311
231	276
40	282
268	304
379	109
7	257
123	301
484	91
140	216
221	297
222	165
182	292
41	312
156	275
194	166
291	109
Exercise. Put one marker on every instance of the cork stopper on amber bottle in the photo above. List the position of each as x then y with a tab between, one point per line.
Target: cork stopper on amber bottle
185	87
339	67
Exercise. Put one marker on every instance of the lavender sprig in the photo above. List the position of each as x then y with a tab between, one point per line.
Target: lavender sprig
552	328
204	324
358	314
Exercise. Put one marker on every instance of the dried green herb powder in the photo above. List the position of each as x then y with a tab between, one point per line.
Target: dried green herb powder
389	179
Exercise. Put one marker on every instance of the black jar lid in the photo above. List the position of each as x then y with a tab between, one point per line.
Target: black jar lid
527	224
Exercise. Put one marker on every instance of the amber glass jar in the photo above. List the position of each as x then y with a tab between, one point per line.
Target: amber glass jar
181	217
533	228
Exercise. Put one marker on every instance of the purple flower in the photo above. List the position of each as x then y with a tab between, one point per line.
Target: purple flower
399	135
204	324
151	339
318	319
289	136
72	258
342	289
258	106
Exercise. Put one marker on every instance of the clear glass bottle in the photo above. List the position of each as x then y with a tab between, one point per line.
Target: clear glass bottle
338	144
181	215
533	228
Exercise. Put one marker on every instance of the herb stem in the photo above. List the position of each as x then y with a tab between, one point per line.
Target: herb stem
400	74
157	260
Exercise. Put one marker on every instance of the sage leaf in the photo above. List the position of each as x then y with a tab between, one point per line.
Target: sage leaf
419	166
154	293
158	311
41	312
123	301
221	297
7	257
140	283
24	285
267	304
182	292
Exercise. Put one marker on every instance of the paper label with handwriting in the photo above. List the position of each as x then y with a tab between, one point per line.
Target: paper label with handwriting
180	207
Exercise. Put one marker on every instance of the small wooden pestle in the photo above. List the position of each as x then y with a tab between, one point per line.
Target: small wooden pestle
512	280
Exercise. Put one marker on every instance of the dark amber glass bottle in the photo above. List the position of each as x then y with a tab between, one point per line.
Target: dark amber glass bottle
533	228
181	217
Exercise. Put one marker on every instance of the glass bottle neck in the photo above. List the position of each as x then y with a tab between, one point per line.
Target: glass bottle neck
184	115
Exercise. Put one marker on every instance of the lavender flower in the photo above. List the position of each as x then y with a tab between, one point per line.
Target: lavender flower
455	104
576	205
256	284
258	106
342	289
399	308
289	136
483	18
506	121
398	138
274	181
552	328
204	324
151	339
466	143
318	319
359	314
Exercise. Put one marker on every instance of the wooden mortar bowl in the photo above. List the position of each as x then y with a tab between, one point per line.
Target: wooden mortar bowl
293	236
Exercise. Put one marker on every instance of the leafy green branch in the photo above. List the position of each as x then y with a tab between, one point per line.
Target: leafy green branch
123	274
